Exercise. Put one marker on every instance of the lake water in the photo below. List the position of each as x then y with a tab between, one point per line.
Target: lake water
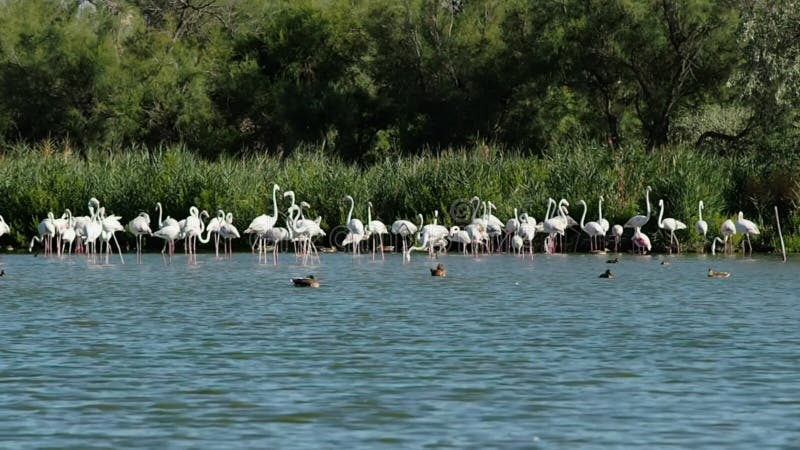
500	353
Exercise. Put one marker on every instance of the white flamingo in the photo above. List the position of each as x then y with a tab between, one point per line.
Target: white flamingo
111	225
617	231
355	227
404	229
527	230
603	222
4	228
727	229
139	227
46	229
68	236
670	225
701	225
460	236
593	229
556	225
512	225
228	232
93	229
375	227
264	222
212	227
746	228
641	220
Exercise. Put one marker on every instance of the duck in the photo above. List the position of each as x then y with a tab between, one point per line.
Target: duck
2	273
612	261
665	263
439	271
714	274
308	281
607	274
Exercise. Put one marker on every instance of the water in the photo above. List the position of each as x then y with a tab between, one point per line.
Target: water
227	354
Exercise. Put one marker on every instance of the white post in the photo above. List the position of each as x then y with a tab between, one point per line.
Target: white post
783	247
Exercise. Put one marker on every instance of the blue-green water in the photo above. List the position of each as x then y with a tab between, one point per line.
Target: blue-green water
227	354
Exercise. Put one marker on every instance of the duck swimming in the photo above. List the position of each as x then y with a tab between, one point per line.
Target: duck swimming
308	281
439	271
612	261
715	274
607	274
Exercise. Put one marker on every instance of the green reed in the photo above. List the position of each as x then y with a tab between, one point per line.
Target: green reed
52	177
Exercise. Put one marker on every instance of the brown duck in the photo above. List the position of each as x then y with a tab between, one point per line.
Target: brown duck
439	271
714	274
308	281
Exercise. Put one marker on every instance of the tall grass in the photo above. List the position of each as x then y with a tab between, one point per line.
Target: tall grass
49	177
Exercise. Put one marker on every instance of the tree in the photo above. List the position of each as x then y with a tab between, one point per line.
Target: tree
653	56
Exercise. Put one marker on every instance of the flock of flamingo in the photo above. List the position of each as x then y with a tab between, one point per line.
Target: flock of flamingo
484	233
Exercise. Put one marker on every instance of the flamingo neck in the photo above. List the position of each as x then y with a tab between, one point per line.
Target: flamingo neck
660	214
647	199
477	202
274	203
583	217
352	205
600	209
700	210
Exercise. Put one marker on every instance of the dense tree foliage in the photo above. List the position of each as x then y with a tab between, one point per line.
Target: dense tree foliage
364	78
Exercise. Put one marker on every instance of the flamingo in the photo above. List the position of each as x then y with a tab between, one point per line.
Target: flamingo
140	226
93	229
61	225
193	226
355	227
556	225
303	231
375	227
47	230
404	228
701	226
4	228
169	230
527	231
213	227
641	220
670	225
228	232
429	236
434	232
262	223
494	227
600	220
110	226
617	231
746	228
68	235
512	225
460	236
169	233
727	229
640	240
593	229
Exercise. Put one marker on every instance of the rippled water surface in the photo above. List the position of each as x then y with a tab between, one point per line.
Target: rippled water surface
227	354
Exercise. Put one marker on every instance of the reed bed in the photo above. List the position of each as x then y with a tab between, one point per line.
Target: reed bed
48	177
